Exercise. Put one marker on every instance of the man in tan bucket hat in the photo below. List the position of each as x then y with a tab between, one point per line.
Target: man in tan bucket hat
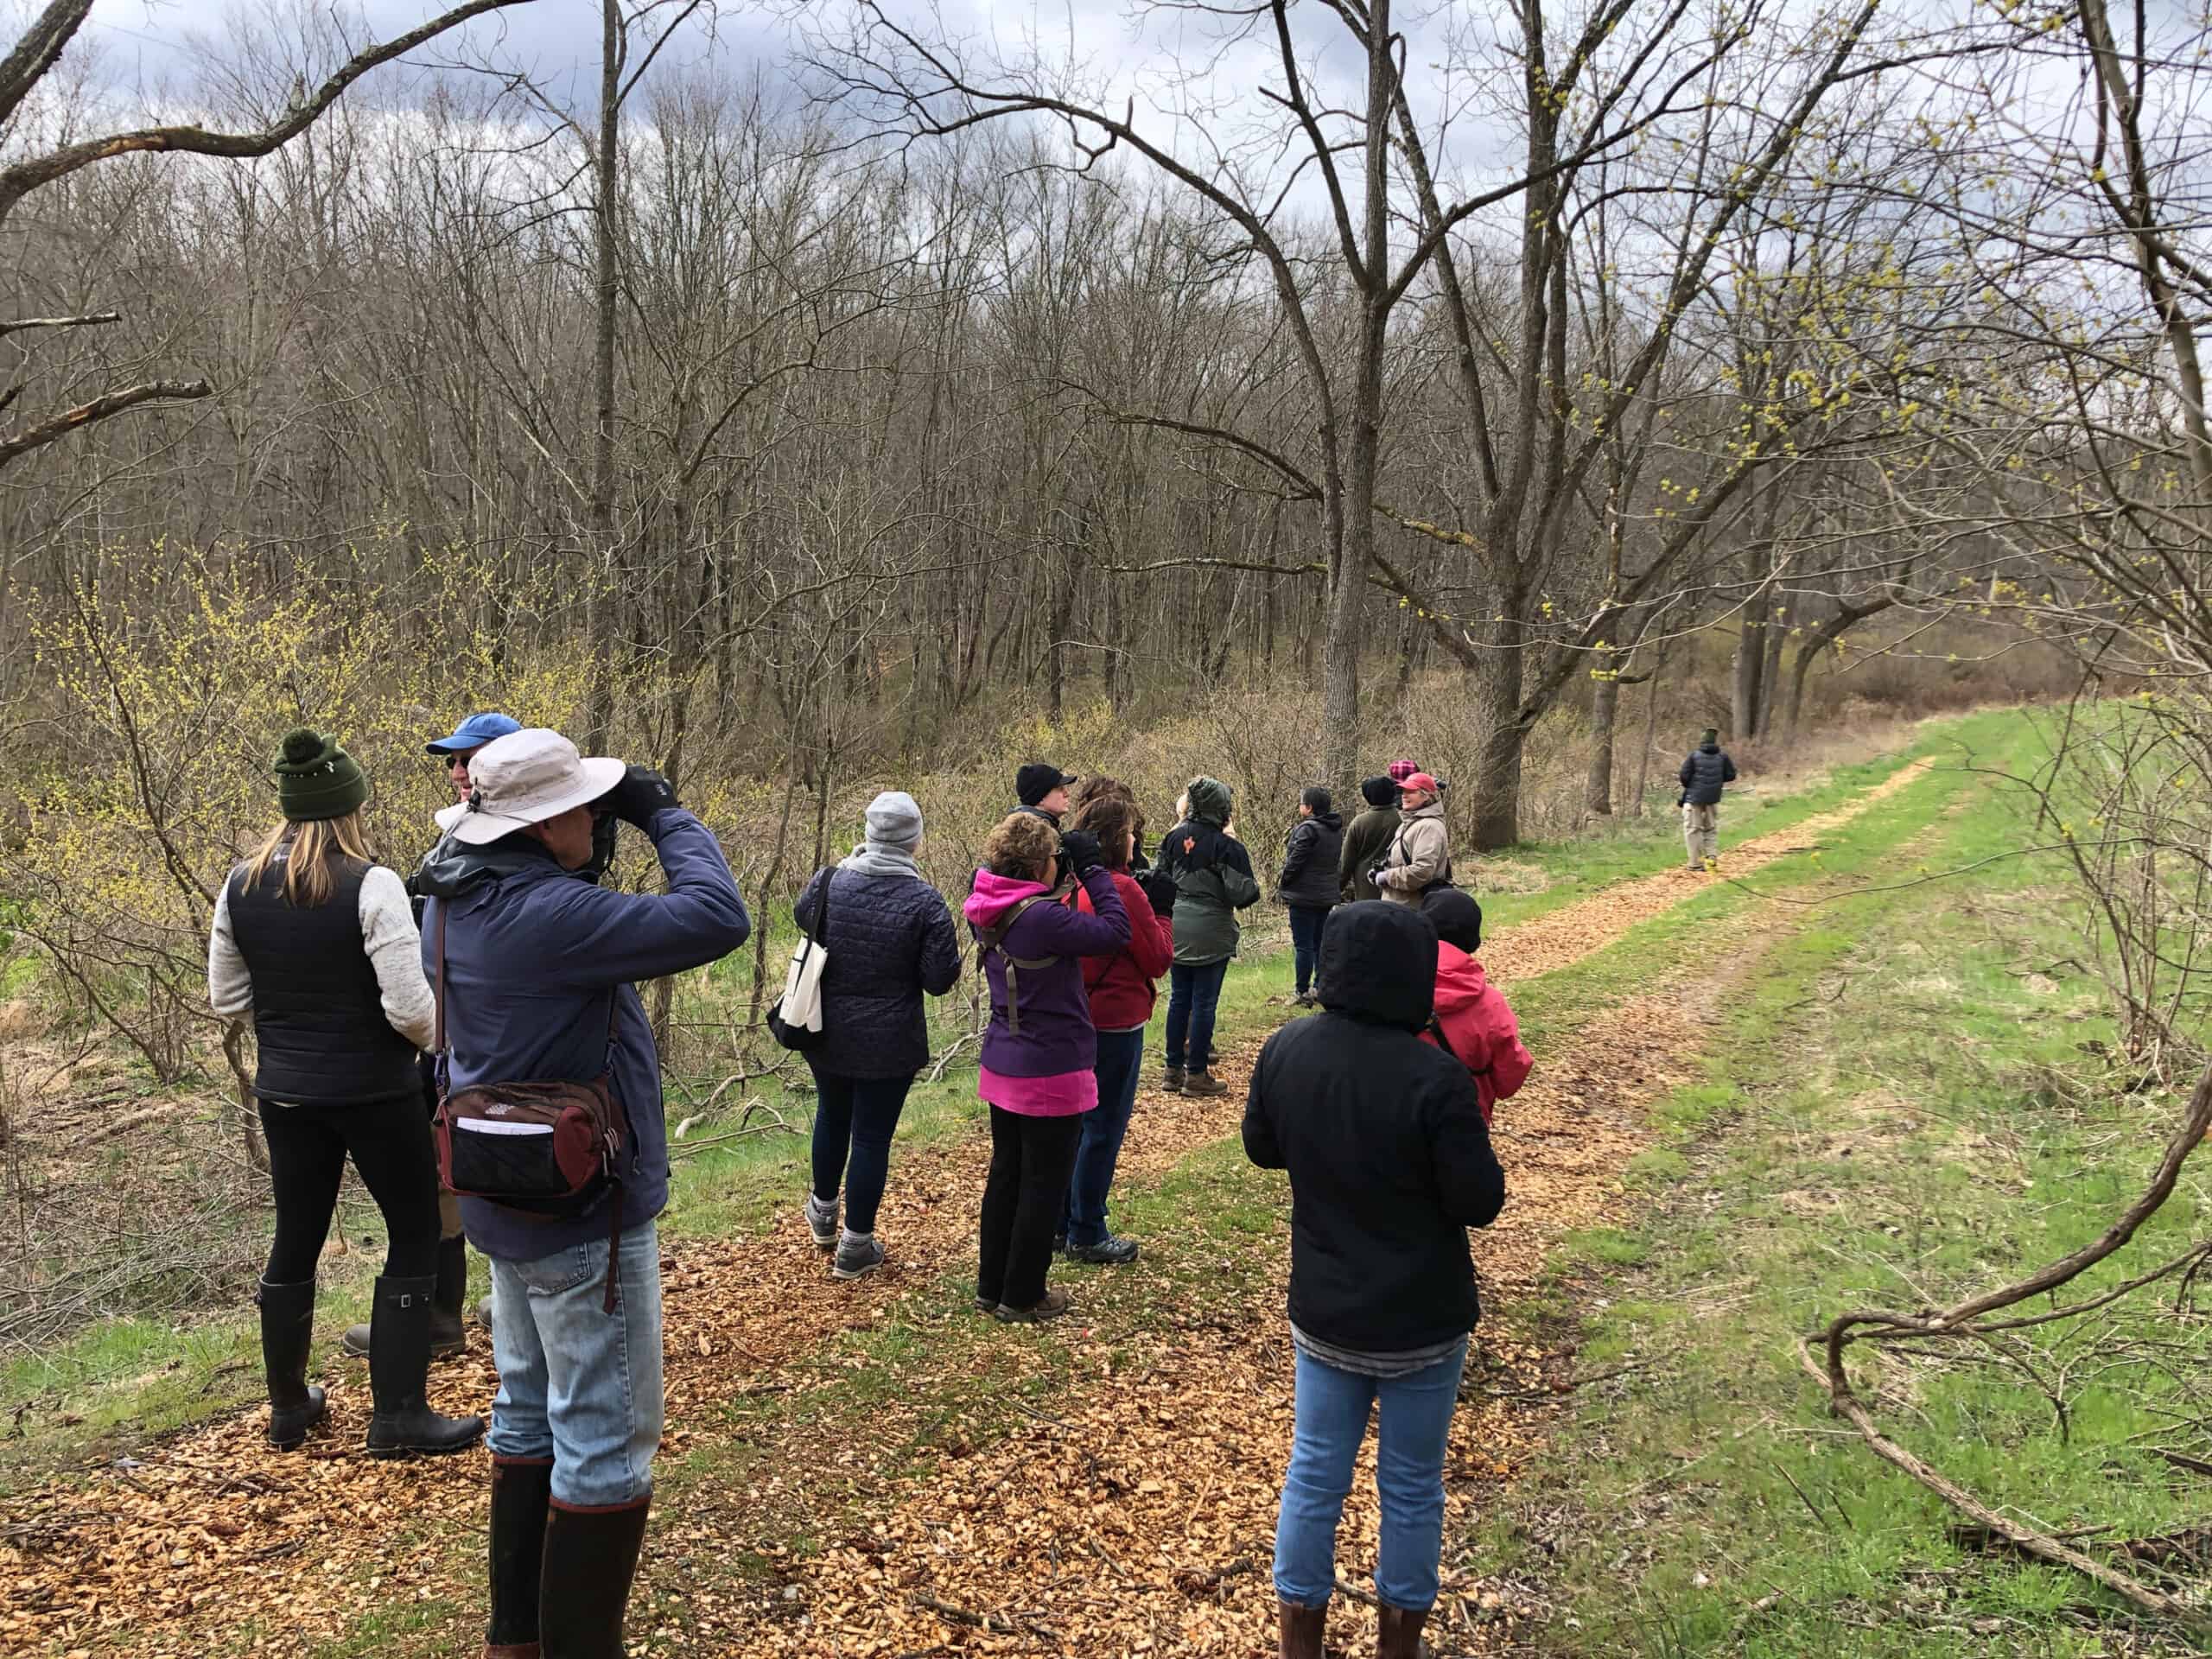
537	971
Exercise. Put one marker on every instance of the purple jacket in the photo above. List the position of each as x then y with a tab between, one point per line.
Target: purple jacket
1057	1036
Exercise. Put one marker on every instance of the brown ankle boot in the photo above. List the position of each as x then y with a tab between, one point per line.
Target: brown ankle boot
1204	1083
1398	1633
1298	1630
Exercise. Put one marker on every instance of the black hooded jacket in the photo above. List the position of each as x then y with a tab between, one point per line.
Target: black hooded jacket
1309	862
1389	1162
1704	771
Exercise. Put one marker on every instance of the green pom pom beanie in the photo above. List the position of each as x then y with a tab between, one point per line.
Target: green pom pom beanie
315	778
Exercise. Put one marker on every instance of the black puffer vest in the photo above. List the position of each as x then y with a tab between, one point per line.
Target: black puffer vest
318	1015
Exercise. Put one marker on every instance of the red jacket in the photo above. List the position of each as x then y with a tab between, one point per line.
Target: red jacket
1479	1028
1121	985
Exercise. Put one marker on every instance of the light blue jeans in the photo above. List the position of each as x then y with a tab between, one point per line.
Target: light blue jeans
578	1384
1415	1418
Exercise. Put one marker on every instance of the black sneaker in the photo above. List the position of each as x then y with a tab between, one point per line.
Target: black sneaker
1111	1251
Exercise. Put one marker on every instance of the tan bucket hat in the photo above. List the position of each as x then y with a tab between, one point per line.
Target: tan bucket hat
523	779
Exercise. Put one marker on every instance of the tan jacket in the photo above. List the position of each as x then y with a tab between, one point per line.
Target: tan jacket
1420	855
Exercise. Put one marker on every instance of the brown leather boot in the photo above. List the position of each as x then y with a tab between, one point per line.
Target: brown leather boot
1398	1633
1204	1083
591	1555
1298	1630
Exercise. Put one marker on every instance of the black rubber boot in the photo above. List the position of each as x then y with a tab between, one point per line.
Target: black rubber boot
522	1490
448	1336
399	1359
591	1555
287	1337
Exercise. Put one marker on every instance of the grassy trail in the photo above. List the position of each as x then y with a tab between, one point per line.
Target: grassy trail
870	1468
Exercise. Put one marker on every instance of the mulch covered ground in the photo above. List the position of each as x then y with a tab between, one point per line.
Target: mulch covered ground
1134	1515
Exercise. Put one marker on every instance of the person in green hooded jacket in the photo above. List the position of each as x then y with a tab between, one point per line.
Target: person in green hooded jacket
1213	879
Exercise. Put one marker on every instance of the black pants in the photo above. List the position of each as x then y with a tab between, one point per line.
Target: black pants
1031	1160
390	1143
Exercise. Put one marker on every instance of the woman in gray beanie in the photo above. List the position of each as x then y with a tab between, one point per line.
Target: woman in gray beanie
890	939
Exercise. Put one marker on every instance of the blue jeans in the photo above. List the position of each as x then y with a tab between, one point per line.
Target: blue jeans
853	1121
1416	1415
1306	943
1194	994
578	1384
1120	1057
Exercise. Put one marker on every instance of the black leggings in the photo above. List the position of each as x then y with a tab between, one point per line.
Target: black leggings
390	1142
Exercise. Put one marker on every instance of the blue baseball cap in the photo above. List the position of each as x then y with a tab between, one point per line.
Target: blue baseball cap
474	733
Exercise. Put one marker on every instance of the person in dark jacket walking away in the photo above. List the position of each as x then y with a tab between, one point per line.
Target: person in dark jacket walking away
1389	1164
1212	876
538	970
1042	789
1122	995
1040	1050
316	941
1705	770
890	940
1308	883
1367	840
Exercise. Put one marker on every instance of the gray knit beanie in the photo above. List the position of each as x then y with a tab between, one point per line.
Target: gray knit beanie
894	820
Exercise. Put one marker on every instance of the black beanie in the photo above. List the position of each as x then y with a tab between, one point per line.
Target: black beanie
1037	780
1456	916
315	778
1315	796
1379	792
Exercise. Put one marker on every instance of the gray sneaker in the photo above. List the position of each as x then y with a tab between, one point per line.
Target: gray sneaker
858	1256
821	1222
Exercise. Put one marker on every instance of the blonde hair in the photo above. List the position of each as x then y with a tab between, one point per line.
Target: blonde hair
1021	847
317	847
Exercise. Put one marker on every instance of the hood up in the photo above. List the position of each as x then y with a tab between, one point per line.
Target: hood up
1210	801
996	894
1378	962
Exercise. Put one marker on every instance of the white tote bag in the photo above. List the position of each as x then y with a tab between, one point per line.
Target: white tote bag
802	1004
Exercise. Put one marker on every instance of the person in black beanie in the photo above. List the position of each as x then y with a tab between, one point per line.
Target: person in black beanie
316	942
1043	791
1368	839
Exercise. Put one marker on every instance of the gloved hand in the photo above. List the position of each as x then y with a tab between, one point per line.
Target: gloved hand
1375	873
641	793
1159	887
1081	849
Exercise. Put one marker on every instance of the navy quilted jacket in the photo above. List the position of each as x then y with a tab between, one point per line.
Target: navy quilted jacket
1707	767
890	938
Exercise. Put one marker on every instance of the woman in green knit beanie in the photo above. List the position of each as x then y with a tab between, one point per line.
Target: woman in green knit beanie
315	943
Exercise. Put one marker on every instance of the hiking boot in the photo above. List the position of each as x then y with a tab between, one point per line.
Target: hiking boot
1110	1251
399	1357
821	1222
1054	1303
287	1337
522	1491
1298	1630
448	1335
1172	1079
1398	1633
1303	1000
1060	1243
1204	1083
858	1256
985	1304
591	1556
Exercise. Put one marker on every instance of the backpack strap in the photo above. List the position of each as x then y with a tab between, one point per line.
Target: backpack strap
993	938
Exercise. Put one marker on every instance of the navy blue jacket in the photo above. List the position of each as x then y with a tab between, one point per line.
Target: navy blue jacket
890	938
1706	769
532	956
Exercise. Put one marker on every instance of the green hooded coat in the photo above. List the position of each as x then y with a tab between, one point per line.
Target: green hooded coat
1213	877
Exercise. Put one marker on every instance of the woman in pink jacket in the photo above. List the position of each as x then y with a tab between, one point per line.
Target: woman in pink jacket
1478	1026
1040	1049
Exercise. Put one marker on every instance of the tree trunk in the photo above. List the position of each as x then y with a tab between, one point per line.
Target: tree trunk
1751	660
1651	728
1605	703
607	599
1496	821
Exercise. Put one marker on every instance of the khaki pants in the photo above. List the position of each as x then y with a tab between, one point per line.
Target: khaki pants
1700	834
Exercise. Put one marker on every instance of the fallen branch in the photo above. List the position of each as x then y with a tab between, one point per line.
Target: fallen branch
1825	1365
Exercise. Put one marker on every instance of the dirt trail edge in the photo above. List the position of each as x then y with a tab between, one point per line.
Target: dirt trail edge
169	1552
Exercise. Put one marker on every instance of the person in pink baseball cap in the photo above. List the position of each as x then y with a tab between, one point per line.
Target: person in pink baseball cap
1419	859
